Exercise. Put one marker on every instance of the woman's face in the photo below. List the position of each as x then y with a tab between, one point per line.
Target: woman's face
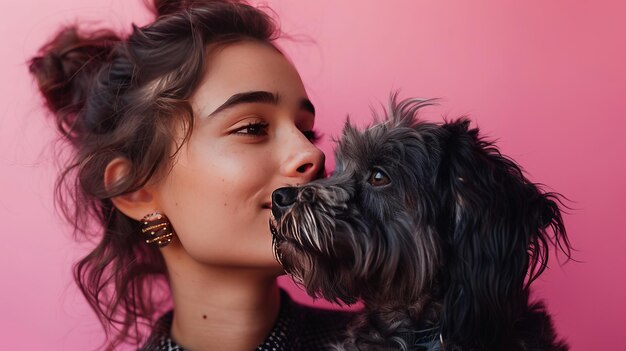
252	131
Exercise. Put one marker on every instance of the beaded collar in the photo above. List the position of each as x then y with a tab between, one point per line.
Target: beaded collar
297	327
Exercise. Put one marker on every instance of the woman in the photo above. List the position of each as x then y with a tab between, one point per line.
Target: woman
180	134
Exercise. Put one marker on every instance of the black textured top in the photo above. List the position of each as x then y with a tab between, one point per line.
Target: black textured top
297	327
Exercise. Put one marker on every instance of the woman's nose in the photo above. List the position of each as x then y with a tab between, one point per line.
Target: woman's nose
305	162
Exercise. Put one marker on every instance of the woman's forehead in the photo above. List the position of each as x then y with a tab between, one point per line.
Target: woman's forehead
243	67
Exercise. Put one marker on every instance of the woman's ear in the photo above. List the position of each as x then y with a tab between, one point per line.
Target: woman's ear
135	204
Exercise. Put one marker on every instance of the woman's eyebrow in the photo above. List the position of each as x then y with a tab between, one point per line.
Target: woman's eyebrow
259	97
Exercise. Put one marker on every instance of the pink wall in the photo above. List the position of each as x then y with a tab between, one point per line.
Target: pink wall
544	77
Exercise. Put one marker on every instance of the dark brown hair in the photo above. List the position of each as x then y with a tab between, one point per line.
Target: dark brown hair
114	96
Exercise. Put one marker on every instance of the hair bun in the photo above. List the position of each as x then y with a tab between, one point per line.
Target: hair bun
66	68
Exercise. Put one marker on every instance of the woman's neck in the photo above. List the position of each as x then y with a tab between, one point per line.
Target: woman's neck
222	308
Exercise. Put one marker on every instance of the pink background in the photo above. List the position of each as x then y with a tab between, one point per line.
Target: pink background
546	78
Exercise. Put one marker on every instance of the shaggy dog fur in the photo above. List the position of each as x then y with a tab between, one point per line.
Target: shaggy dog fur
437	232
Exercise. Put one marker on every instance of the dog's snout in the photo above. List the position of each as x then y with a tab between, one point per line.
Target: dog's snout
282	199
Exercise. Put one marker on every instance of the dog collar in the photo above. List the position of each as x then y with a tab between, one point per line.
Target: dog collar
423	340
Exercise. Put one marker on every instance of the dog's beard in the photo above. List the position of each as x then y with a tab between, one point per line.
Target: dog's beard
314	242
309	223
336	252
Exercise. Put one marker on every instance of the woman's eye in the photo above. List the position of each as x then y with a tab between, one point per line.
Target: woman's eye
312	135
252	129
378	178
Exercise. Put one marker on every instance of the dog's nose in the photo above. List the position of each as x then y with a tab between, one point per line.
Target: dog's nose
282	199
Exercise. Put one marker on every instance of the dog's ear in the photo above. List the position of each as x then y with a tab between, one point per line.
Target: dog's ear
496	238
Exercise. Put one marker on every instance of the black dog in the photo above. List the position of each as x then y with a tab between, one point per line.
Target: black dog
437	232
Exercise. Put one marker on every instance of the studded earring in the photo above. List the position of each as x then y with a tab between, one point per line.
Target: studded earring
157	229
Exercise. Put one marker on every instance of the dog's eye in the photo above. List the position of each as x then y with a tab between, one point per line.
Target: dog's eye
378	178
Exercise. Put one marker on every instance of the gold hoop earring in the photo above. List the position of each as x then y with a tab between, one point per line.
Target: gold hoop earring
157	229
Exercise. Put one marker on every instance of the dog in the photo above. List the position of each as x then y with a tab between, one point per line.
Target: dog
433	229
